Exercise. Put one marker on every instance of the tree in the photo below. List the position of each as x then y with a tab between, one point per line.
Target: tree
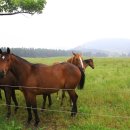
12	7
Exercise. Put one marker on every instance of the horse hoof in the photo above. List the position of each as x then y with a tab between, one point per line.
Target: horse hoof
73	114
29	120
36	123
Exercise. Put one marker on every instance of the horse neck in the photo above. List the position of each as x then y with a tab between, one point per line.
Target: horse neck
70	60
20	68
85	65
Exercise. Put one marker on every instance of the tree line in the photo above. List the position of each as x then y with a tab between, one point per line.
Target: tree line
40	52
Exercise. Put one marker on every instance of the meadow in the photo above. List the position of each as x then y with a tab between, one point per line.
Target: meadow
103	104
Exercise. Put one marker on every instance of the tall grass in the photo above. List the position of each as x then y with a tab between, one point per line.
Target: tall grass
103	104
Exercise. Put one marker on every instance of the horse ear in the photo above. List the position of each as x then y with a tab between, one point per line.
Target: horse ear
73	53
0	51
8	50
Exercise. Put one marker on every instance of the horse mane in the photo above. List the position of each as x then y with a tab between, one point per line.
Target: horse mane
70	60
21	59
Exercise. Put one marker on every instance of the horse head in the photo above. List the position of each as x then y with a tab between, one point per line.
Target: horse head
89	62
5	61
78	60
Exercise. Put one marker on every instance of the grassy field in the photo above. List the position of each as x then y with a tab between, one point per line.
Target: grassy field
103	104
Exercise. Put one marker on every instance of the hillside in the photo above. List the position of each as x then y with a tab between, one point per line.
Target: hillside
116	46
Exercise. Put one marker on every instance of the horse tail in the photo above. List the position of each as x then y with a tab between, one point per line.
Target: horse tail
82	80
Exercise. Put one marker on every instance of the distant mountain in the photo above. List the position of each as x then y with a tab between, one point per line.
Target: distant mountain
110	47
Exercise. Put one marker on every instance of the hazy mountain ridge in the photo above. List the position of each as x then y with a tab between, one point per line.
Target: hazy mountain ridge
111	47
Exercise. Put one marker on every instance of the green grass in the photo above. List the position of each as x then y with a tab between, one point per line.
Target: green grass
103	104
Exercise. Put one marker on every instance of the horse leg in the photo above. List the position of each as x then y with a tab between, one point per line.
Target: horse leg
7	91
0	95
49	99
44	102
74	98
34	107
28	105
62	98
15	100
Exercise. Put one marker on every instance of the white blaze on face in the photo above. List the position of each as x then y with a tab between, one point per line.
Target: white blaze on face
3	57
81	62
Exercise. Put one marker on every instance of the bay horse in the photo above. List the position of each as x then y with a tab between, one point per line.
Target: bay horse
86	63
76	60
5	84
37	79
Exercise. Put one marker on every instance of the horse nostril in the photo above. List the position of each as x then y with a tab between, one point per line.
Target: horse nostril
1	74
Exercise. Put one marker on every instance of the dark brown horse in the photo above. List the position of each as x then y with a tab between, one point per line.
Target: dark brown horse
88	62
37	79
5	84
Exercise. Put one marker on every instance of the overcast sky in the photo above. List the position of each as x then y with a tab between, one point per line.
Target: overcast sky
65	24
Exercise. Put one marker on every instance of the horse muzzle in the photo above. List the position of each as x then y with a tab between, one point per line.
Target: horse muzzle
93	67
2	73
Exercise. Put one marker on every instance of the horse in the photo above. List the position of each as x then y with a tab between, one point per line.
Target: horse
76	60
86	63
5	84
37	79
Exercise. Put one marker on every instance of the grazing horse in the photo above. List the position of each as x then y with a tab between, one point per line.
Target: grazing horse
75	60
37	79
5	84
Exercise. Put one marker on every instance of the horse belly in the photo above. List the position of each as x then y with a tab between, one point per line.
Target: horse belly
45	85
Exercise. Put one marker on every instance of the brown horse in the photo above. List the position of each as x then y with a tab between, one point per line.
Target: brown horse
75	60
37	79
86	63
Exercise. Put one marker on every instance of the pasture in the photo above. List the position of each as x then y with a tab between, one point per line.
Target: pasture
103	104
